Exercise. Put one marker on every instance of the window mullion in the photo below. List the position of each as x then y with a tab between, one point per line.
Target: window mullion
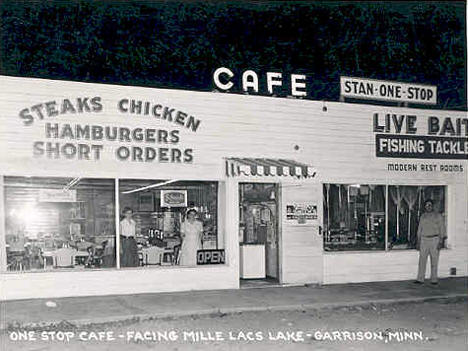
117	224
386	217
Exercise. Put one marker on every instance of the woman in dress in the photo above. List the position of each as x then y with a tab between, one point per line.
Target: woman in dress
191	232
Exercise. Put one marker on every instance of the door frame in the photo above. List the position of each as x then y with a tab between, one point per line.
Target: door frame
277	184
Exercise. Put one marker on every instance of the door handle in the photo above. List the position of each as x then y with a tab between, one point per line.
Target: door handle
320	230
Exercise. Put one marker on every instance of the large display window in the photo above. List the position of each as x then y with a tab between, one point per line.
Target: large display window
405	207
376	217
354	217
167	222
57	223
54	223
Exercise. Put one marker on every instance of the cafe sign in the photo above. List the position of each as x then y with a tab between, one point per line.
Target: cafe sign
267	83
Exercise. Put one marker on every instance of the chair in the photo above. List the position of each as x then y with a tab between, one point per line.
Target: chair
167	257
152	255
176	255
49	243
64	257
16	260
95	258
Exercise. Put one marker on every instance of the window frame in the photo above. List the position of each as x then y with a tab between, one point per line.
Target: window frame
3	254
387	184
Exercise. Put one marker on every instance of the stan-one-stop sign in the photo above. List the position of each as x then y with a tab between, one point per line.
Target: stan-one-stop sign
371	89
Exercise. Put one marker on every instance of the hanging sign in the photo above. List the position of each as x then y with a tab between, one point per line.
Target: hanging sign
211	257
371	89
173	198
57	195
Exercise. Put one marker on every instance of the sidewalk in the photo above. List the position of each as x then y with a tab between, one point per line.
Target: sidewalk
82	311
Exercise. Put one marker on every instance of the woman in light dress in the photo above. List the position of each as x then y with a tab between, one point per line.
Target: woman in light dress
191	231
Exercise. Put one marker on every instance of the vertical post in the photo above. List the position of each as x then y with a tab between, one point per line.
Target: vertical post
117	224
279	228
232	224
386	217
3	256
221	215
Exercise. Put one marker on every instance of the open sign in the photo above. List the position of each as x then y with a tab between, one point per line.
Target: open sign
211	257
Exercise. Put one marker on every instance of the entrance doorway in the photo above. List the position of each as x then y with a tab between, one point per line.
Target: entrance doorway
258	234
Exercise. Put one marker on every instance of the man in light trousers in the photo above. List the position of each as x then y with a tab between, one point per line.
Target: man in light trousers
431	236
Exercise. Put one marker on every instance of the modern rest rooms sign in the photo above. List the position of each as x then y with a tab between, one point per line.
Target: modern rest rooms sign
371	89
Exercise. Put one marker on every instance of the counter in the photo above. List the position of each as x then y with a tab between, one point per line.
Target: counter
252	261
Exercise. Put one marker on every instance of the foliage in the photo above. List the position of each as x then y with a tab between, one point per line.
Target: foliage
178	44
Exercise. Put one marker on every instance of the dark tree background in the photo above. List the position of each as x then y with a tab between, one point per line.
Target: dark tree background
178	44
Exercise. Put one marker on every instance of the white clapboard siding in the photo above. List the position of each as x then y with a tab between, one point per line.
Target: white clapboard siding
338	142
231	126
110	282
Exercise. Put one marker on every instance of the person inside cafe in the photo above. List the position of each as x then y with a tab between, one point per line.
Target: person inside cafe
129	255
431	236
191	231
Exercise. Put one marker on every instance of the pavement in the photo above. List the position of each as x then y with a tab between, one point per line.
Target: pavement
96	310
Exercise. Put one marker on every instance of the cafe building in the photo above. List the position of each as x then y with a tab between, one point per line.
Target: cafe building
109	189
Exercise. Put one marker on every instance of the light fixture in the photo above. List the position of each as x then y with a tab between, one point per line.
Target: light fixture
150	186
73	182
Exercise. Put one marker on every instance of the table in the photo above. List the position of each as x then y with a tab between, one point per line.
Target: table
80	255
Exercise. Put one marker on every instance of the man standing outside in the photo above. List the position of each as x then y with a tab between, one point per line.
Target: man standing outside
431	236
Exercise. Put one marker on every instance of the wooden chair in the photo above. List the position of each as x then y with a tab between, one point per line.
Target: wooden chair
153	255
176	255
64	257
16	260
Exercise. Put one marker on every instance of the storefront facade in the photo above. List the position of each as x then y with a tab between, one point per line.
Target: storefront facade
75	155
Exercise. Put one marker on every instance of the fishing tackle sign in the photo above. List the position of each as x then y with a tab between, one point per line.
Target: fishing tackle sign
412	136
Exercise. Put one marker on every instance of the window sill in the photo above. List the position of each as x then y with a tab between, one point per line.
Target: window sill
144	268
354	252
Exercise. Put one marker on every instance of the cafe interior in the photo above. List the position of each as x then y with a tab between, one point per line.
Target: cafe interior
56	223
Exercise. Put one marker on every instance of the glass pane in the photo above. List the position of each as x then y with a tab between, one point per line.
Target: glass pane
56	223
154	225
258	215
354	217
405	207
